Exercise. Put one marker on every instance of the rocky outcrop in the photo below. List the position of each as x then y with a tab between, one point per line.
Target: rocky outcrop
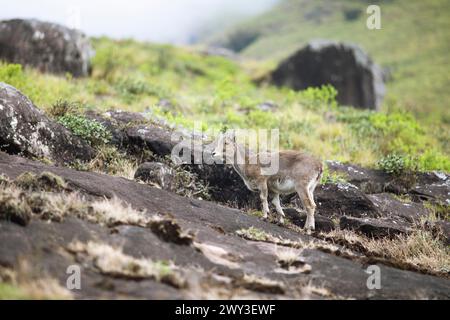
343	199
421	186
367	180
299	219
347	67
24	129
215	261
46	46
375	228
432	186
135	134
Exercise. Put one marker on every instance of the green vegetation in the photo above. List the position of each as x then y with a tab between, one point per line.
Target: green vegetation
253	233
393	163
135	76
332	177
89	130
413	44
438	211
10	292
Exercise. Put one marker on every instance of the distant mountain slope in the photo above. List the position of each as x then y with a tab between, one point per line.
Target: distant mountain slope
413	43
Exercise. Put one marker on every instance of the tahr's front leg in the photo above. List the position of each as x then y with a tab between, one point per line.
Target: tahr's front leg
263	193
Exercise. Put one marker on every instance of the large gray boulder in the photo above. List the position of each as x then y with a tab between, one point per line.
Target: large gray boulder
46	46
24	129
347	67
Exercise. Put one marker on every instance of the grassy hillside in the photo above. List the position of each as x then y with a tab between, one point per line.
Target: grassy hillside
136	76
413	43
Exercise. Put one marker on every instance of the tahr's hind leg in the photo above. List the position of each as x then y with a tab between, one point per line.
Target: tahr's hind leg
309	204
276	202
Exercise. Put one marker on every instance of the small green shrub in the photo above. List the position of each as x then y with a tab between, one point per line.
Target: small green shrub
89	130
393	164
317	98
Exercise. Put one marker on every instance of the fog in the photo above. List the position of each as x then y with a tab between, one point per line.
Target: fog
169	21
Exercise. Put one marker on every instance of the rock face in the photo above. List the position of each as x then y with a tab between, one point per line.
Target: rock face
367	180
213	264
299	219
135	134
347	67
375	228
25	129
343	199
46	46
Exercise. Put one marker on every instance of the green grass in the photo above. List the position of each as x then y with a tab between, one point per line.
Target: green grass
413	43
10	292
135	76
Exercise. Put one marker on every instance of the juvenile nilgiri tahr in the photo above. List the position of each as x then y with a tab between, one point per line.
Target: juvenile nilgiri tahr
297	172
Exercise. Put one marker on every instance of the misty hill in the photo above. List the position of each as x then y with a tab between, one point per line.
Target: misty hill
412	44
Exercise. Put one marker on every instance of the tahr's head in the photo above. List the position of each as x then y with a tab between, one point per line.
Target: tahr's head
225	146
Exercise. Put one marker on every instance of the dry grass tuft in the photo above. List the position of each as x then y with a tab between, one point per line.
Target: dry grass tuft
287	256
418	250
260	284
311	289
113	262
23	283
13	208
19	206
4	180
112	212
290	261
113	162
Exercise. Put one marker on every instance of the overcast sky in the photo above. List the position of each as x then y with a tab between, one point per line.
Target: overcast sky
172	21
